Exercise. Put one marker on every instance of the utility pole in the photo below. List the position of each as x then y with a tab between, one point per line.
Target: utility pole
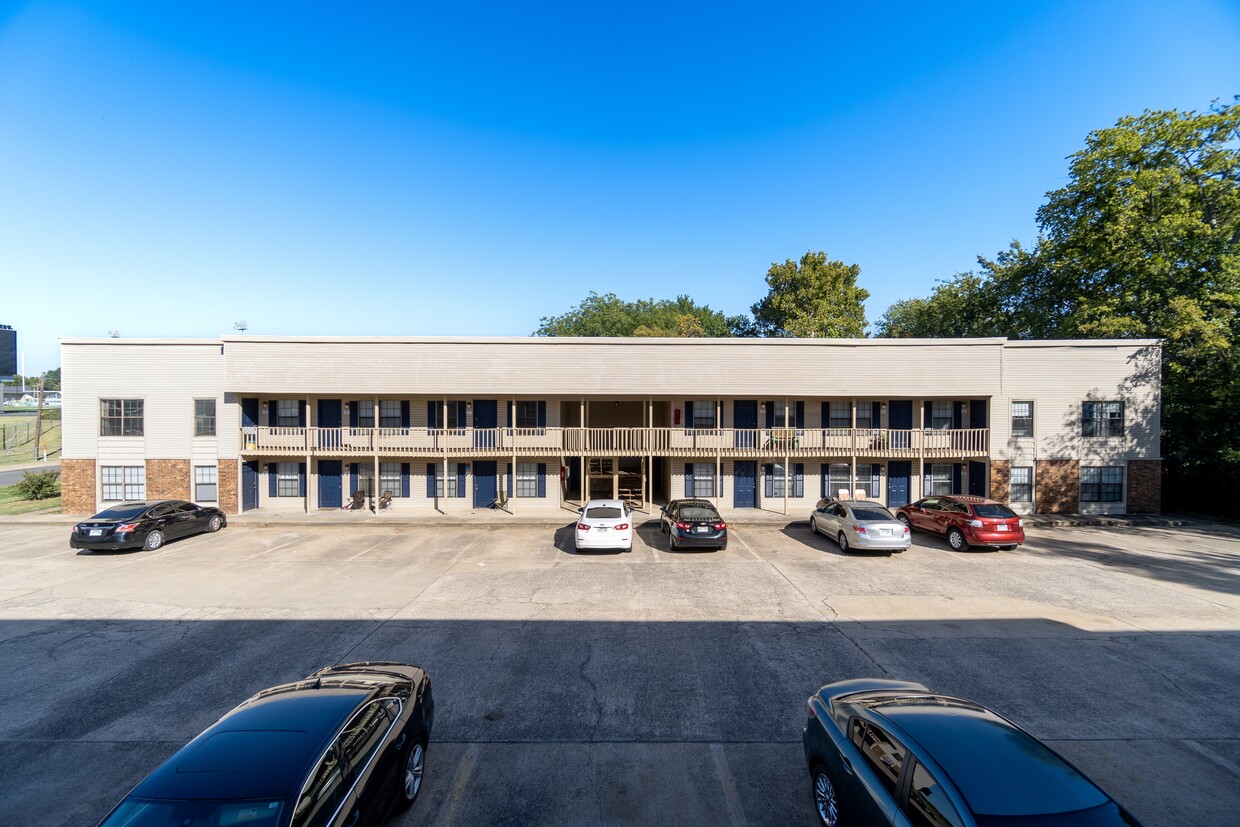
38	418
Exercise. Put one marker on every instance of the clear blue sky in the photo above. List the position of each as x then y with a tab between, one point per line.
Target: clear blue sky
167	168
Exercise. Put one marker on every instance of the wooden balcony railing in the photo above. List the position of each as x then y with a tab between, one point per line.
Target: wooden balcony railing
611	442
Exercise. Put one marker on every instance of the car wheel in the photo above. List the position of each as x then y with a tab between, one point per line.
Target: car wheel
411	776
904	519
154	540
955	539
843	541
825	801
813	526
215	523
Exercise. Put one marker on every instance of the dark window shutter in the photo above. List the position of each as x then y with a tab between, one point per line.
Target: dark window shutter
352	478
688	415
826	415
462	470
301	479
799	491
353	415
460	417
957	477
432	414
404	413
826	470
512	492
874	480
957	415
272	475
770	414
430	478
689	478
273	412
768	476
542	479
301	413
927	416
800	415
876	414
542	413
404	479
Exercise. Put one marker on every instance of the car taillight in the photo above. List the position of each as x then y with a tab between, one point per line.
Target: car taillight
975	523
582	527
860	529
683	526
120	529
813	713
906	529
622	527
720	526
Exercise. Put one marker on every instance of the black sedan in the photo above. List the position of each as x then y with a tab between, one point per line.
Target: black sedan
145	525
693	524
345	746
895	753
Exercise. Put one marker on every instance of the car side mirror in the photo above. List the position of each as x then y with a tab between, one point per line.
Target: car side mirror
581	510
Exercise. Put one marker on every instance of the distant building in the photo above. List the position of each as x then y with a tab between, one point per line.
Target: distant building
278	423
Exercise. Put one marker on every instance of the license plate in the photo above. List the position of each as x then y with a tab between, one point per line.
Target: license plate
96	532
702	529
1002	527
884	532
603	528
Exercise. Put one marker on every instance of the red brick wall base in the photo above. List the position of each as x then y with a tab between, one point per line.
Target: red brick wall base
1058	484
999	475
167	479
77	486
1144	486
228	487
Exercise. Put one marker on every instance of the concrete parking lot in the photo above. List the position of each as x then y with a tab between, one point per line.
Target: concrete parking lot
636	688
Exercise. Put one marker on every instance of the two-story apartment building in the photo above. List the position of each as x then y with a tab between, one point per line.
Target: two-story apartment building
538	424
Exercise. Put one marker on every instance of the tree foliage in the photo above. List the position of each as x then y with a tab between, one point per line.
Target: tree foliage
813	298
1142	241
609	315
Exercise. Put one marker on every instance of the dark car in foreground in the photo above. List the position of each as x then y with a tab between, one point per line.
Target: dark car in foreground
345	746
965	521
693	524
894	753
145	525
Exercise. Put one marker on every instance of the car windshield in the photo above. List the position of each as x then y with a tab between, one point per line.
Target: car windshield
601	512
121	512
872	515
697	512
993	510
142	812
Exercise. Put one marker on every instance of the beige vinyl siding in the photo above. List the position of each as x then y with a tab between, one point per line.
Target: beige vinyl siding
1058	378
167	375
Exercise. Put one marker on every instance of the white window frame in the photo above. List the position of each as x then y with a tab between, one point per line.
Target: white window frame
365	413
366	478
1027	484
288	413
389	478
1102	472
389	415
779	480
703	414
524	414
204	424
839	414
1020	417
864	418
129	479
940	480
526	480
703	479
839	475
941	414
206	481
129	419
288	479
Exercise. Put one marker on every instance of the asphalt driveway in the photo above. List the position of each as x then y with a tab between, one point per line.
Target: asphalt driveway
616	688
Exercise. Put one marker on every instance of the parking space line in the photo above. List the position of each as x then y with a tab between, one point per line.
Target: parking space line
456	794
731	798
745	545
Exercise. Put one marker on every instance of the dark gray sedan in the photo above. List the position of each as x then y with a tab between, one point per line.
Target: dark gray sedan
894	753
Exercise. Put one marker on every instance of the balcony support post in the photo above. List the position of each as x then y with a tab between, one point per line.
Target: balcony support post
649	475
853	442
374	447
584	482
718	453
509	496
786	469
920	413
443	434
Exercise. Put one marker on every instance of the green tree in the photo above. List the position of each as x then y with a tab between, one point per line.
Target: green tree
1142	241
609	315
964	306
815	298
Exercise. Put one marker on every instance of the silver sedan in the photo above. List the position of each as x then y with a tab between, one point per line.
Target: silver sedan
859	524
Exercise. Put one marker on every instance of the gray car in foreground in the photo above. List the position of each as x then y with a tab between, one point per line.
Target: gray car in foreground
859	525
894	753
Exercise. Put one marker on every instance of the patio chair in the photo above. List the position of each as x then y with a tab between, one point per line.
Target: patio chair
385	501
358	502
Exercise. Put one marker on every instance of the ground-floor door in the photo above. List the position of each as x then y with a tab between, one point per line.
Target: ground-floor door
898	476
745	484
249	485
329	483
485	490
977	479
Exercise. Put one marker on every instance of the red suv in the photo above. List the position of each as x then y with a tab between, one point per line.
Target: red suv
966	521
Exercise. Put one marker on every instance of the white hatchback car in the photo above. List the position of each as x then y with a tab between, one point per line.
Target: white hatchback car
605	524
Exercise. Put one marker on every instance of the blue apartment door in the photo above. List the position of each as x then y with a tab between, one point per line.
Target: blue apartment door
900	418
329	418
486	419
898	474
977	479
484	482
745	484
329	483
249	483
745	421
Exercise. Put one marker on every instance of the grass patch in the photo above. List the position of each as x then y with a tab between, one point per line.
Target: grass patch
21	430
12	503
